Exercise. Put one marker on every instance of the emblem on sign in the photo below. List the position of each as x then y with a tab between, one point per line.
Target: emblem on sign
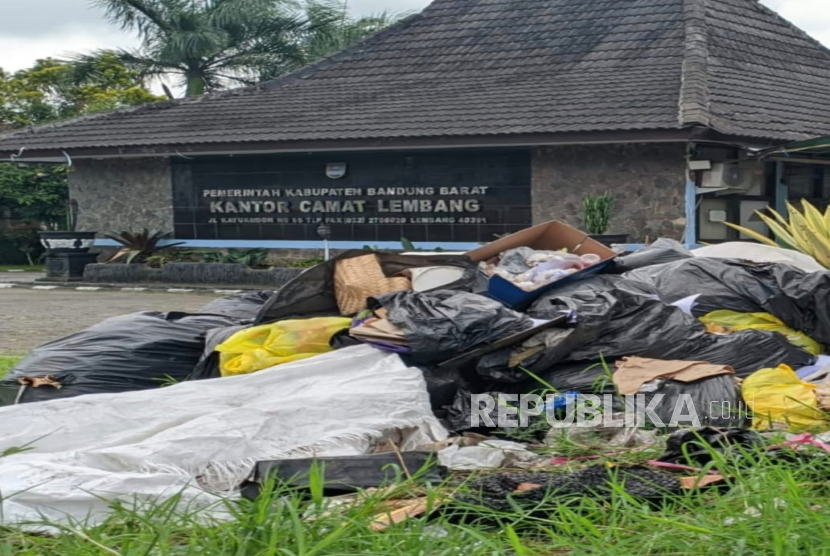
335	170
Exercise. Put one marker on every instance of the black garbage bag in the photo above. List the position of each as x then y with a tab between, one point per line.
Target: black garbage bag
459	414
796	297
507	366
208	365
696	447
139	351
661	251
496	367
715	401
312	293
620	321
443	385
500	491
746	352
441	324
344	474
243	306
616	319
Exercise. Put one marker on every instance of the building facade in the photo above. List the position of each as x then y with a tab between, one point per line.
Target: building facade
470	120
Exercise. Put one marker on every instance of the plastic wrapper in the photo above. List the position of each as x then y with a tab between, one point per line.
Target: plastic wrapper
139	351
268	345
796	297
778	398
244	306
312	294
545	267
441	324
515	261
728	321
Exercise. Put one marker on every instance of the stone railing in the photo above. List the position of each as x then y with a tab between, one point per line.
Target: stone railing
214	274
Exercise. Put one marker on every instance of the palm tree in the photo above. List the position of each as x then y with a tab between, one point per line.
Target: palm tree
335	30
210	44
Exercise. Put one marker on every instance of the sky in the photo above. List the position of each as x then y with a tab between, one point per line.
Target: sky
32	29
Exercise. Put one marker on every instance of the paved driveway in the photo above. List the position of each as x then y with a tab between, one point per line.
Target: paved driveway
29	318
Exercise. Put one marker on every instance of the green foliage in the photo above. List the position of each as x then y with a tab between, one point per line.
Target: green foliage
139	247
597	212
252	258
34	192
807	230
175	256
49	91
53	89
769	506
301	263
19	246
409	246
334	30
209	44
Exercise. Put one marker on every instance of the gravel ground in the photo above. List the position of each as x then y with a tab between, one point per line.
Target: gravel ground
29	318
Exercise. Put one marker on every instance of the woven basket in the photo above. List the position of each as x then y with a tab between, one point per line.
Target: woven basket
359	278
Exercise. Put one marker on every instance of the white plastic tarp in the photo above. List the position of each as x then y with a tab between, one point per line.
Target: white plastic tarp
759	253
201	439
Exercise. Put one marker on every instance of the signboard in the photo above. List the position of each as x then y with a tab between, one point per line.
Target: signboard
445	197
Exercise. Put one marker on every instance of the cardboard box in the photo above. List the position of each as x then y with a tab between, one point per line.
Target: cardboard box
551	236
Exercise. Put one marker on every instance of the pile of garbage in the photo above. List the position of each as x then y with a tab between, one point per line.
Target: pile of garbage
372	360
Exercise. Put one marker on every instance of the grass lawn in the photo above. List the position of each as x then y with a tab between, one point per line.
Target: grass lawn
771	507
6	363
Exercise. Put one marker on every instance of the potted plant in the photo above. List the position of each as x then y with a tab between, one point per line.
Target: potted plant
69	240
596	214
67	251
139	247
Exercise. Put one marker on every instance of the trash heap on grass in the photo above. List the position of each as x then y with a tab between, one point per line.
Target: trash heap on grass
377	368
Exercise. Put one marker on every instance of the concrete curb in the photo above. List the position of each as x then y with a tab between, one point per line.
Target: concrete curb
85	287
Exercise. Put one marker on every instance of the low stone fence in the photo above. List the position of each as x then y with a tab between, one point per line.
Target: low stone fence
214	274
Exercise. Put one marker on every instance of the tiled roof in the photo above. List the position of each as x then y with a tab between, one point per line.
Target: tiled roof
510	67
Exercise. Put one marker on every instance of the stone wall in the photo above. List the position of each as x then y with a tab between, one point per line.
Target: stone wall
214	274
115	195
647	181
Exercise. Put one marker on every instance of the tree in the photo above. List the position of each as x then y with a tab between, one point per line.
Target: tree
210	44
51	90
337	30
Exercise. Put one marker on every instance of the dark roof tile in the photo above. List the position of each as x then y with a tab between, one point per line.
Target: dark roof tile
496	67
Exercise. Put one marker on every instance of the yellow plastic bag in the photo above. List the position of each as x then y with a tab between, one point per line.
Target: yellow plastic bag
779	396
732	321
265	346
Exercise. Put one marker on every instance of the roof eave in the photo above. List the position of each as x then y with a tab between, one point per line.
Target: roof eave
417	143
